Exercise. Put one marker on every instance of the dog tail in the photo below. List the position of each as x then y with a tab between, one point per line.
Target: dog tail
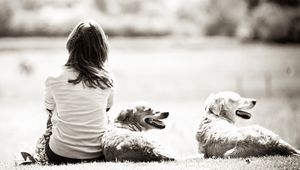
286	149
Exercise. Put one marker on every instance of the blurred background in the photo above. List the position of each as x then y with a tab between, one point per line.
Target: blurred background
267	20
171	53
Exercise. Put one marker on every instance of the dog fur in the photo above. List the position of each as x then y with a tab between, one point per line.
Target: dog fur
126	141
219	137
123	141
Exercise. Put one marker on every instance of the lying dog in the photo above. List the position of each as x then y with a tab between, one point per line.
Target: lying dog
126	140
219	137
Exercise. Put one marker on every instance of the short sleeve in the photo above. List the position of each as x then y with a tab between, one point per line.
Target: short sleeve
110	100
49	100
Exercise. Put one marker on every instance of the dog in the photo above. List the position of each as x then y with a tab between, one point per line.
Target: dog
219	137
123	141
126	140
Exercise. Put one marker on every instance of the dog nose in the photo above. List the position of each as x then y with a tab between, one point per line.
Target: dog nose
254	102
165	114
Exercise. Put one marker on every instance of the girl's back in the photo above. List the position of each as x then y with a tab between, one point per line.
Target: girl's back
79	115
79	96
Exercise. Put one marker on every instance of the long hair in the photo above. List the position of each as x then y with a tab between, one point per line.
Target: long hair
87	46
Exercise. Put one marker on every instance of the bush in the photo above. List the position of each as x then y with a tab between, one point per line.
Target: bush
57	18
215	17
268	20
271	22
5	16
220	24
225	17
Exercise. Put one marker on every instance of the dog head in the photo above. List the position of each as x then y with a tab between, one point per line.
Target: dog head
141	117
228	104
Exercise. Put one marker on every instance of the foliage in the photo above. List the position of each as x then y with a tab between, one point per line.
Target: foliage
5	16
245	19
271	22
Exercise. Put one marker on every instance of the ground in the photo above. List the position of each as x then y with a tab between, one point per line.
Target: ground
264	163
174	74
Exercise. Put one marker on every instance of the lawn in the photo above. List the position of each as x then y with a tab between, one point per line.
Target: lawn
264	163
174	74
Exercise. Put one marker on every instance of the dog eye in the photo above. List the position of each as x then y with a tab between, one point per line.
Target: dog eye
148	110
232	100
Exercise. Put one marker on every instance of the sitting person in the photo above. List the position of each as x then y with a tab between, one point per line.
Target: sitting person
77	100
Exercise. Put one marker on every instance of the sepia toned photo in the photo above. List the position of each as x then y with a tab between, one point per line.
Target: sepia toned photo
156	84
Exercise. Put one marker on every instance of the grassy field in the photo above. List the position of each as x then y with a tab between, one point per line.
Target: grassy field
174	74
218	164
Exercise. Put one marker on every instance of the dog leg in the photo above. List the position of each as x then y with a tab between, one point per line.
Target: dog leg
142	156
231	153
237	152
286	149
140	153
162	156
283	148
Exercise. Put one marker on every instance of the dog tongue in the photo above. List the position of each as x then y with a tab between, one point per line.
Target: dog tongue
156	123
243	114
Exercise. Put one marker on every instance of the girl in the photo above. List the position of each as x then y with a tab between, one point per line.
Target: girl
77	100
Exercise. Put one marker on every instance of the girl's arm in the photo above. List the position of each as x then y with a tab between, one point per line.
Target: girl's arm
110	101
49	111
49	100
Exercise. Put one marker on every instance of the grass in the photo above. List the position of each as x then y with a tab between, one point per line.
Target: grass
251	163
174	74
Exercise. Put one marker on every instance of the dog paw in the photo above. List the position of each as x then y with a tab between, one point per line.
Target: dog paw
230	153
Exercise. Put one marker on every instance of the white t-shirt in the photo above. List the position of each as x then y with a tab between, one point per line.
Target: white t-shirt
79	116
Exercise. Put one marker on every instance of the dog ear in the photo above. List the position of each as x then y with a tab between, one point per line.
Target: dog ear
214	105
124	114
209	102
147	109
220	105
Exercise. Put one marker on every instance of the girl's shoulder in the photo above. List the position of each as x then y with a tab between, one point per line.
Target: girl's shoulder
60	73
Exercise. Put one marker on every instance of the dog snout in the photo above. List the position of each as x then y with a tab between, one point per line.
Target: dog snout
165	114
253	102
162	115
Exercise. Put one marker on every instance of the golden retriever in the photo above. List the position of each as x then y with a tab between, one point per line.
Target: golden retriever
219	137
126	140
